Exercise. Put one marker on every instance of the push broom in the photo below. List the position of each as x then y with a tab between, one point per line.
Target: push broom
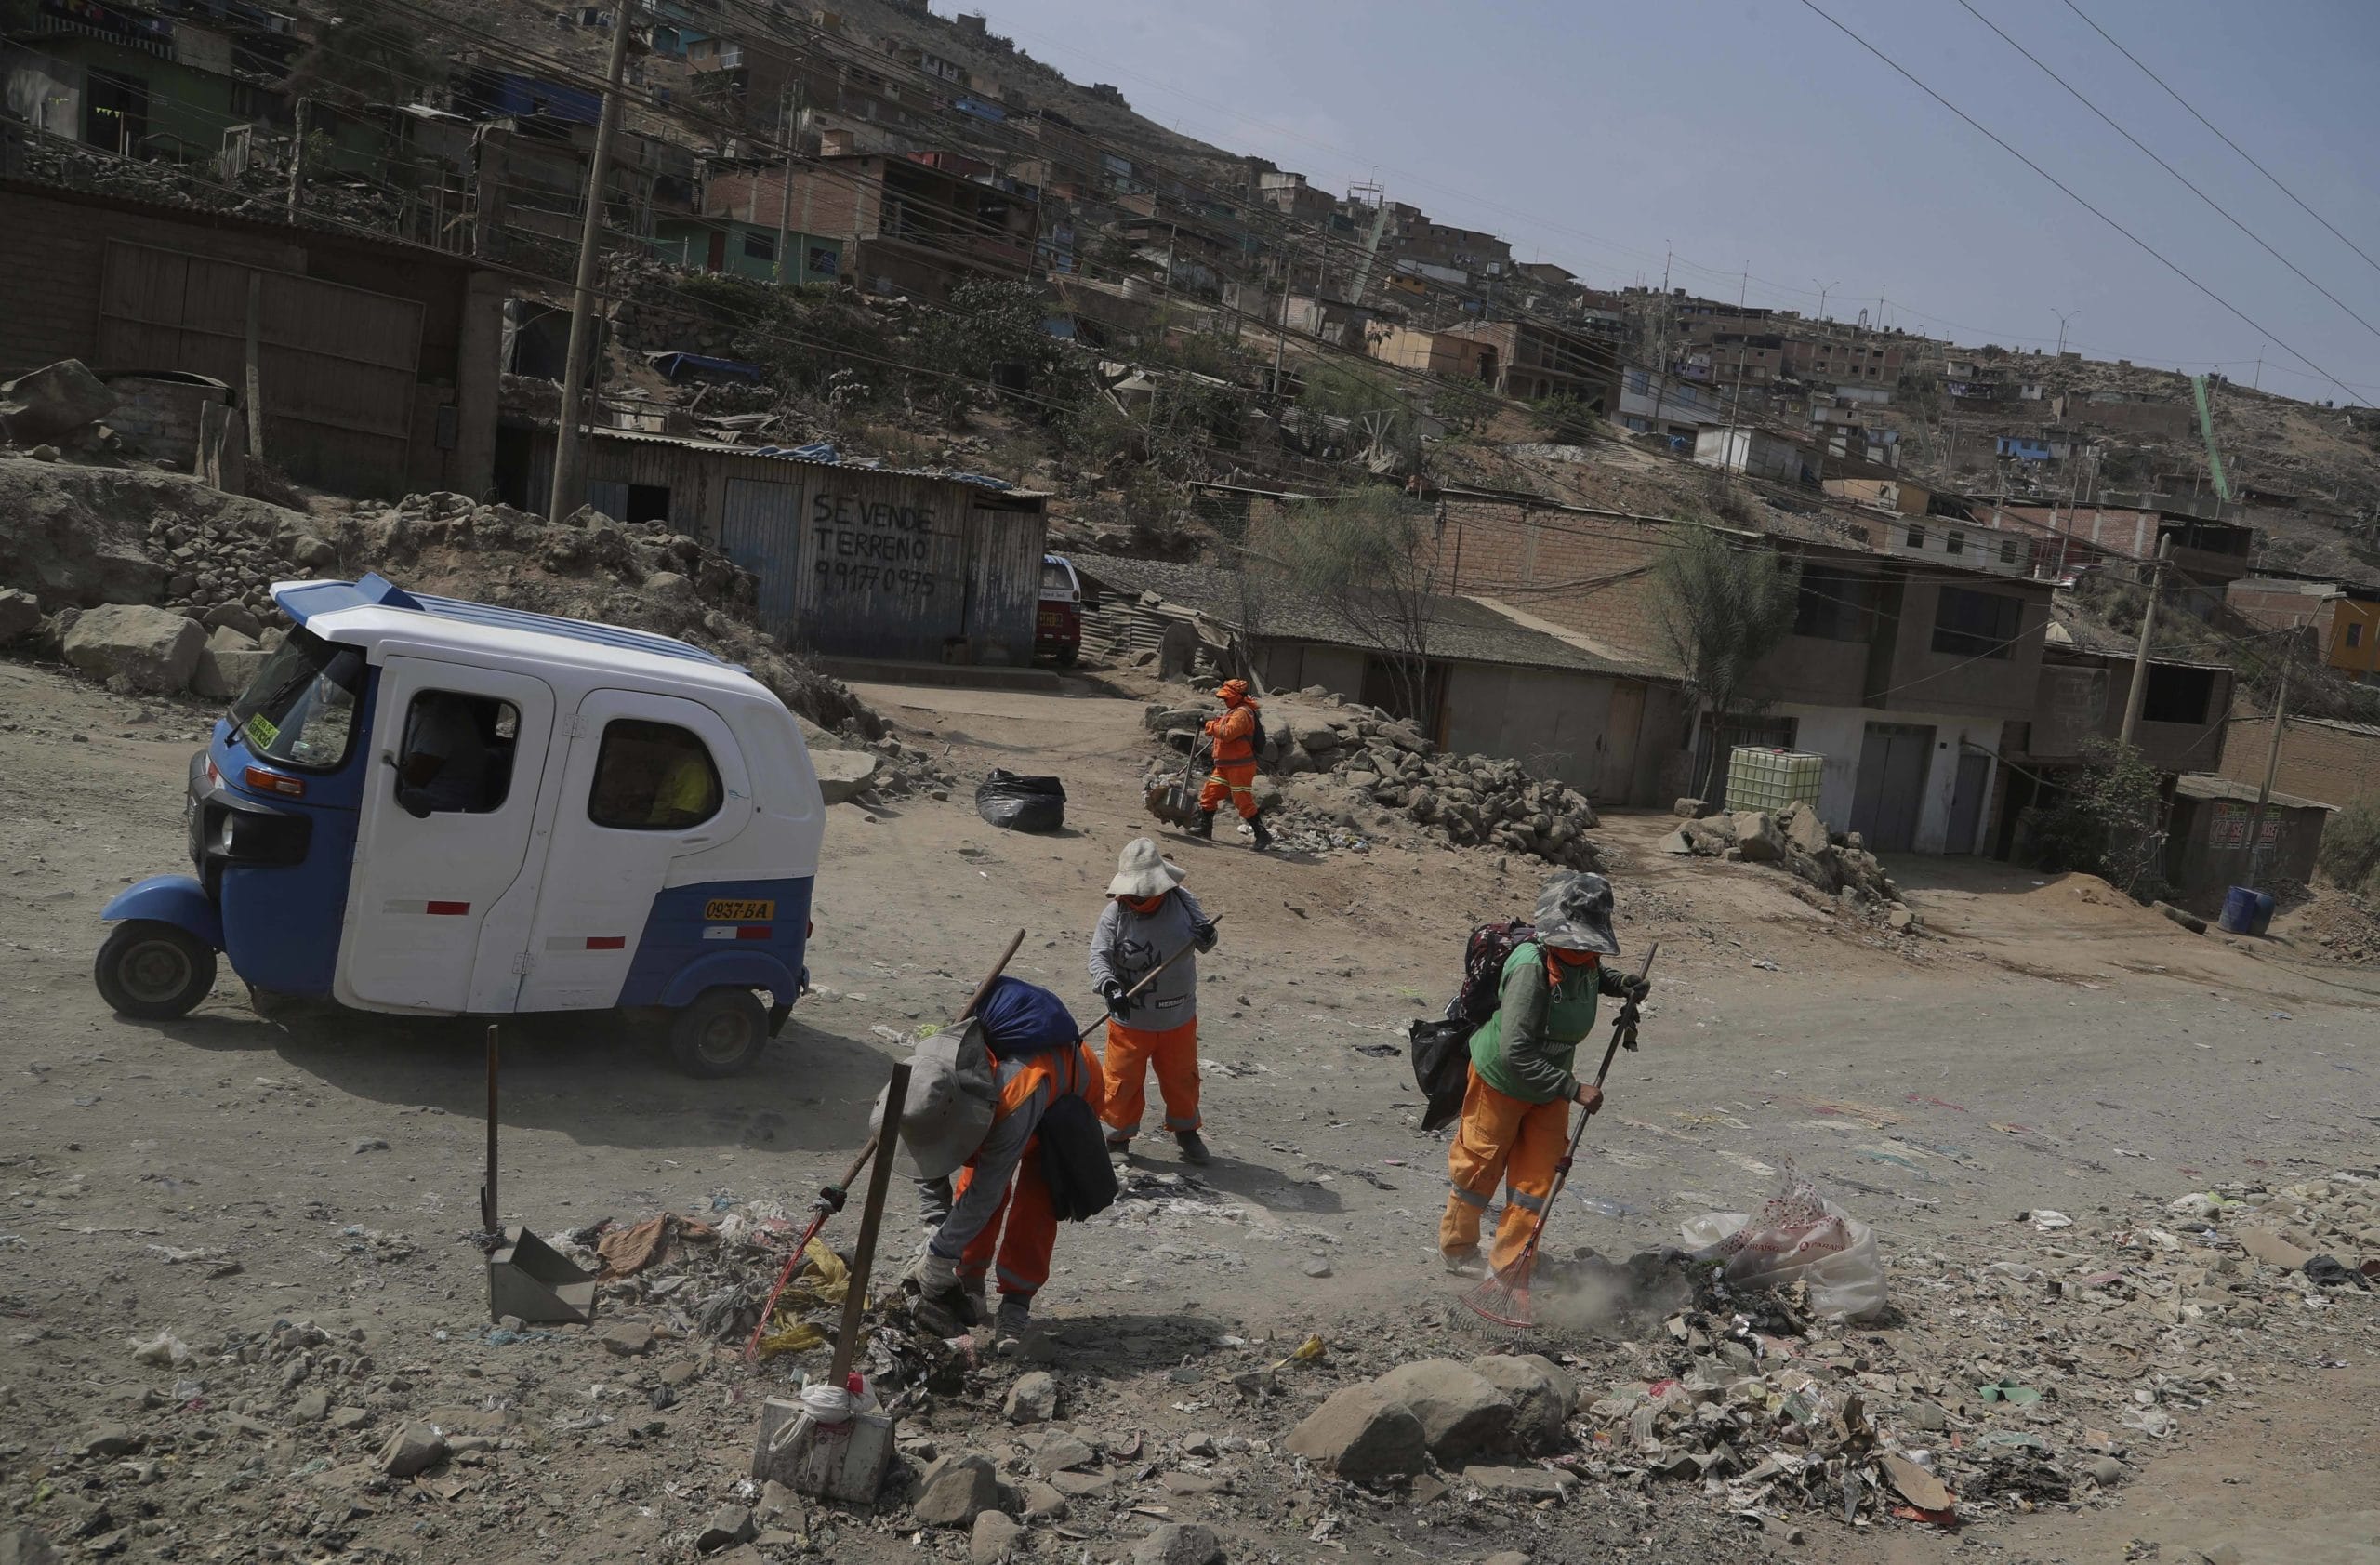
1503	1299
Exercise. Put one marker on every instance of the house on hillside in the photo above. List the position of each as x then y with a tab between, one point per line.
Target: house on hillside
2341	618
161	81
2323	759
2080	701
853	562
1533	360
1498	684
1653	403
903	226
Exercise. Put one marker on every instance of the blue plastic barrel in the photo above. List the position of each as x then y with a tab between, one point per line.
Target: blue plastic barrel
2263	920
2239	914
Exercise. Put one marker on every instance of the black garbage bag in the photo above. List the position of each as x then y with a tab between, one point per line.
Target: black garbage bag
1441	1068
1021	803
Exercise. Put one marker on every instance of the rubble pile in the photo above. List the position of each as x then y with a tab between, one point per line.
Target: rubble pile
1351	756
1797	842
2042	1375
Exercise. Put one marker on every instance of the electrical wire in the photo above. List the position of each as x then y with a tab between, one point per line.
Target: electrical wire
2225	140
2078	200
1969	7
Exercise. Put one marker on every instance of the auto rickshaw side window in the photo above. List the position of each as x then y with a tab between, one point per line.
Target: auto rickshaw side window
652	776
458	753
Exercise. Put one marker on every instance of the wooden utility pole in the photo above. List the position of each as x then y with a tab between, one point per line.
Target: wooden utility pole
2272	770
298	158
1281	335
567	451
784	196
2140	691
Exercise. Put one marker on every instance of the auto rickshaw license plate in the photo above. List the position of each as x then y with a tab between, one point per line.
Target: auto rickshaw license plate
729	909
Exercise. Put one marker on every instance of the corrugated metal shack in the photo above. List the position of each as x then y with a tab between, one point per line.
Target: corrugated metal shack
853	561
2213	842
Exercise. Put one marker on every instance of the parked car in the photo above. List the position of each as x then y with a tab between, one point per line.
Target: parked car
1057	626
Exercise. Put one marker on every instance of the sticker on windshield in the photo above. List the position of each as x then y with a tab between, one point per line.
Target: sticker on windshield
740	912
261	733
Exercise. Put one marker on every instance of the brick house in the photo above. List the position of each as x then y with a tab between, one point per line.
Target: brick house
2328	762
903	226
2341	618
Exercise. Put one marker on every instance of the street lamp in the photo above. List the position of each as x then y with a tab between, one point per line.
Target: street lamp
1822	291
2062	316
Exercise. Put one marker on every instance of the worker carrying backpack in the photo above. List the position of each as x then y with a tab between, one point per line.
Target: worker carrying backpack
1442	1048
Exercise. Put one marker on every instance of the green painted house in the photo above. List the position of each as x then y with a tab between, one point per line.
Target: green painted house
745	249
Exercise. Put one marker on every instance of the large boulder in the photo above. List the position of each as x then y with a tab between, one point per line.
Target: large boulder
1541	1393
1462	1415
226	664
146	649
19	615
53	400
957	1490
843	774
1179	1543
1757	835
1362	1433
1803	828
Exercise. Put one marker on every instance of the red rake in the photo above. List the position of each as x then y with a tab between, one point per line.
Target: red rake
1503	1299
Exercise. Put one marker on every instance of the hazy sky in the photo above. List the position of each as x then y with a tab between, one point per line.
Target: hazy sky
1594	134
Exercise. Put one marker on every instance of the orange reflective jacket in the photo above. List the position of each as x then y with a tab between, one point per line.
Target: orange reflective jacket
1233	732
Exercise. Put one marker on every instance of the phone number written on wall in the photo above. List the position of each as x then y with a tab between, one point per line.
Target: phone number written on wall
874	546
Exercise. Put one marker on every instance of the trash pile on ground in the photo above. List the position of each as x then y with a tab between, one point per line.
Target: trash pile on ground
1797	842
1352	757
2042	1377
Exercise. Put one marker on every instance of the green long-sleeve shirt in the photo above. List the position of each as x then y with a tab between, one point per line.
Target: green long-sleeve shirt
1526	1049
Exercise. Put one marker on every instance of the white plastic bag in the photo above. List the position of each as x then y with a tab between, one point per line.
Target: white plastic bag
1798	1237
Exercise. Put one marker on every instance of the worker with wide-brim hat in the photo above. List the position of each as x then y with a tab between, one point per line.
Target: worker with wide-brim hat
1150	917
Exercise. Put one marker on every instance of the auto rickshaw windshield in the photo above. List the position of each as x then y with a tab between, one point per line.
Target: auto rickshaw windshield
299	709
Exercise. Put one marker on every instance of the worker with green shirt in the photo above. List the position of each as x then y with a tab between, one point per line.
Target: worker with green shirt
1516	1110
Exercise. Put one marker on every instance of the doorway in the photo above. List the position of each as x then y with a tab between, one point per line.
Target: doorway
1894	758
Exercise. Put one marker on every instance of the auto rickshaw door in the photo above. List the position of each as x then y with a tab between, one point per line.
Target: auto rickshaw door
439	907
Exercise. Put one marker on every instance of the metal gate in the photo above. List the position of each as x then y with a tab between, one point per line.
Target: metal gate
1004	583
337	366
1893	761
760	528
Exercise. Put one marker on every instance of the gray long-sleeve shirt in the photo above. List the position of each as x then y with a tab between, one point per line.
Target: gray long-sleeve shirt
1126	946
1072	1069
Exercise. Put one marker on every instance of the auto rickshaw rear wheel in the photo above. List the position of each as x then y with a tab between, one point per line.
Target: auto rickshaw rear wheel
722	1033
153	970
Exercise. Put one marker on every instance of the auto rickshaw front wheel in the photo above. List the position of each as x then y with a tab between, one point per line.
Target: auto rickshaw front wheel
722	1033
152	970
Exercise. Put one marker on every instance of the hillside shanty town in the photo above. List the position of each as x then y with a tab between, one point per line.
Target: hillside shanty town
1094	784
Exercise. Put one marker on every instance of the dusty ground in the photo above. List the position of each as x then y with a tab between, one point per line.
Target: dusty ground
2050	1047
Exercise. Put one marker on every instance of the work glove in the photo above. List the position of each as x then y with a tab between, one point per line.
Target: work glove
1204	934
932	1274
1118	1006
1636	988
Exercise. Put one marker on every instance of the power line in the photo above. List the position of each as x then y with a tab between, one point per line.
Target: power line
2225	140
1969	7
2145	247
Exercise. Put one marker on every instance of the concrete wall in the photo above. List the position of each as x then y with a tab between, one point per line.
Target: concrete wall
2207	851
1840	733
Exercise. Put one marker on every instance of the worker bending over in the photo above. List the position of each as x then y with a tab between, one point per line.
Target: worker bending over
1148	919
1002	1220
1237	734
1516	1110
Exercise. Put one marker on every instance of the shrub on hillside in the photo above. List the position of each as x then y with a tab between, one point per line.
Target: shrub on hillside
2350	854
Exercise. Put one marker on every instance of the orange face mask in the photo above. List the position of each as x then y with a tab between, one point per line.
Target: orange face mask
1143	904
1557	958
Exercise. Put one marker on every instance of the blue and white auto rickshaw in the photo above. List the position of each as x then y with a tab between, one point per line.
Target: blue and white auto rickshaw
429	807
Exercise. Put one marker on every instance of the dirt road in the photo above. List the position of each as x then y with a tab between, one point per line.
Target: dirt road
2051	1047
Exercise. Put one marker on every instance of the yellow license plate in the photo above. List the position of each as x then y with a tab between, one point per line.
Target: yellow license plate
261	733
730	910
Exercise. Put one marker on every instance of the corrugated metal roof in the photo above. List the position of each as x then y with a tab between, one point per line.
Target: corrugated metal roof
1459	630
779	454
2206	785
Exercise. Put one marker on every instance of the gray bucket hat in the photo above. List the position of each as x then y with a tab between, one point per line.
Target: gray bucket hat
950	1103
1574	912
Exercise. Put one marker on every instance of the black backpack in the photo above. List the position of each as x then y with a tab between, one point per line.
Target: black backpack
1256	732
1074	1158
1442	1049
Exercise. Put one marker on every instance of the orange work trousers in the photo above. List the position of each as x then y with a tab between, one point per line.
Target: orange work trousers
1501	1141
1237	779
1132	1051
1024	1231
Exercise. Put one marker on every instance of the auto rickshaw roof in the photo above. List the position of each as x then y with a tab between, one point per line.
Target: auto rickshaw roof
384	602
